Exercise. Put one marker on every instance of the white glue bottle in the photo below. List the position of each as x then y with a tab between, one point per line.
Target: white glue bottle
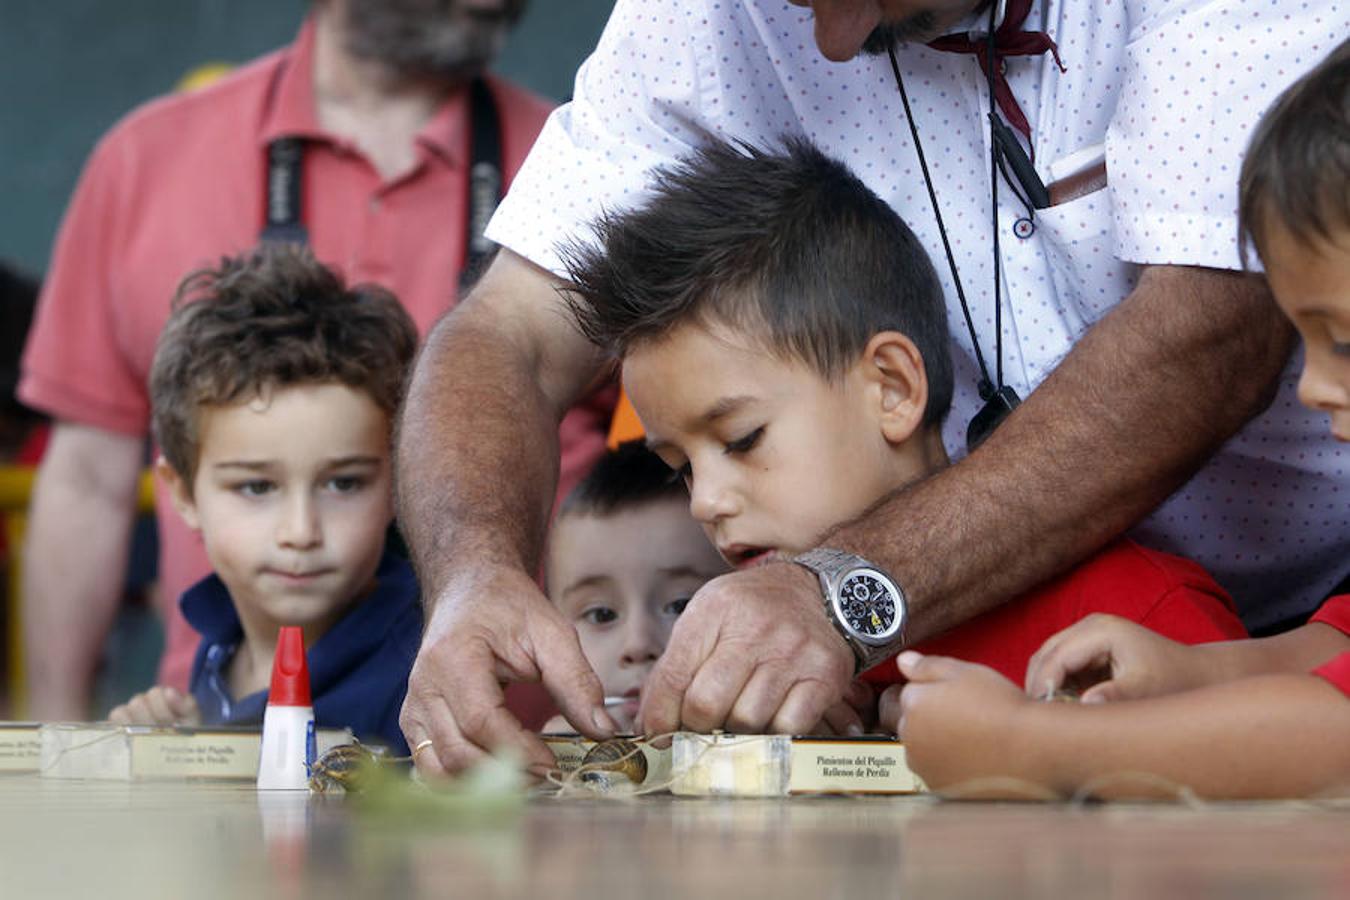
288	723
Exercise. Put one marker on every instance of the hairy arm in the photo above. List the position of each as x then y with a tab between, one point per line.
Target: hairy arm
1144	398
477	442
477	458
75	558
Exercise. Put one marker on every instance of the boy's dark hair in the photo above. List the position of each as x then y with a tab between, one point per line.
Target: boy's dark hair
623	478
789	244
1297	170
272	318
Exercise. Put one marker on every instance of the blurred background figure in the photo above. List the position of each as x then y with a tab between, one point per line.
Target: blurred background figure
357	138
22	429
23	433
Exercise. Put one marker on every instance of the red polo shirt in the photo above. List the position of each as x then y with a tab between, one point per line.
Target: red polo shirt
180	182
1170	595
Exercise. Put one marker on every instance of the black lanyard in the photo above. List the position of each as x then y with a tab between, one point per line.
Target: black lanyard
999	399
285	160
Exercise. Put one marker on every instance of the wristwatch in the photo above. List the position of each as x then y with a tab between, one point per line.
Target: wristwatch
864	604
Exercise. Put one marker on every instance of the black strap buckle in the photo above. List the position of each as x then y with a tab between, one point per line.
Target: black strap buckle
996	408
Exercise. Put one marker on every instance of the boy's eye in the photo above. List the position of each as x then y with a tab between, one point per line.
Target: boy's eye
254	488
747	443
345	484
1340	348
599	615
676	606
682	472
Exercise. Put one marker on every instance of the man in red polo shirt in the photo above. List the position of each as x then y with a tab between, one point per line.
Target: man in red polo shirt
362	138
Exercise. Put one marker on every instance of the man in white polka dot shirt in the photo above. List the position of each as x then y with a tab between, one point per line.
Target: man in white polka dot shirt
1156	377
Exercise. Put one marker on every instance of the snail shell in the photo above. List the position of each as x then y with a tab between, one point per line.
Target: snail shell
343	768
617	756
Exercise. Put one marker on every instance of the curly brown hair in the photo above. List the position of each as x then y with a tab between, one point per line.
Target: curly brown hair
271	318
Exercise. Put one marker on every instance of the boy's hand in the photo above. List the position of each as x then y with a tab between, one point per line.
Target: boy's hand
158	706
1120	659
955	718
855	715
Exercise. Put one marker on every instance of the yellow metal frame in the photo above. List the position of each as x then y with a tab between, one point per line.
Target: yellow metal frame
16	489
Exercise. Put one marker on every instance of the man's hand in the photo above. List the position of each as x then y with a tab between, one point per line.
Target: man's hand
497	629
1122	660
752	653
158	706
955	718
477	466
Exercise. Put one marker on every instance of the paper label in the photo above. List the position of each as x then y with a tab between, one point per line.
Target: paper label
20	749
195	756
855	767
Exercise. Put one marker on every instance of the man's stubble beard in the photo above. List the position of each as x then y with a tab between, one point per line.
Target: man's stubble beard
428	38
919	26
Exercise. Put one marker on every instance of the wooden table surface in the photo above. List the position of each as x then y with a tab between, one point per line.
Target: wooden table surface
113	840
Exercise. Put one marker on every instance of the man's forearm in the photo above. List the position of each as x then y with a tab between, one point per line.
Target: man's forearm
75	558
1145	397
477	456
478	440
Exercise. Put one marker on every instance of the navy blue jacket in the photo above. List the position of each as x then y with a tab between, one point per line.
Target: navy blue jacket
358	670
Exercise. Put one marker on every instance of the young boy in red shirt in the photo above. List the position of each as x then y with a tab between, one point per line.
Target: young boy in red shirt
784	341
1240	719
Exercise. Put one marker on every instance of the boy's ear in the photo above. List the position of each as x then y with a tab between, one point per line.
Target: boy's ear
893	366
179	492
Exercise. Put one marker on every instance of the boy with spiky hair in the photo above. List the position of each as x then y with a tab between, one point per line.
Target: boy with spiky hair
783	339
274	389
624	557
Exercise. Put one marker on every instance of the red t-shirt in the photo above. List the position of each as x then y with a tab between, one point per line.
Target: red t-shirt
178	184
1170	595
1336	613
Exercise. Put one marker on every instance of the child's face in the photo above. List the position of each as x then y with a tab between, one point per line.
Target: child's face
292	498
774	455
1311	282
622	578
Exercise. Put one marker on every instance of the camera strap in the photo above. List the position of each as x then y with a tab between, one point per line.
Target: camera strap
284	210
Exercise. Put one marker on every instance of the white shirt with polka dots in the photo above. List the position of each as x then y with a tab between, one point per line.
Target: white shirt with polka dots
1170	89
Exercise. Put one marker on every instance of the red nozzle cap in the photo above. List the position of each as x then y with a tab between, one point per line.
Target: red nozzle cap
290	675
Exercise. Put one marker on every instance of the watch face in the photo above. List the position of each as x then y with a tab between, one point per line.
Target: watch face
867	605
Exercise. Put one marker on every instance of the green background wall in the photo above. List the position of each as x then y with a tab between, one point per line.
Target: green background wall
70	68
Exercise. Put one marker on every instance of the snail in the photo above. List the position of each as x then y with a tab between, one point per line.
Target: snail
345	767
604	763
